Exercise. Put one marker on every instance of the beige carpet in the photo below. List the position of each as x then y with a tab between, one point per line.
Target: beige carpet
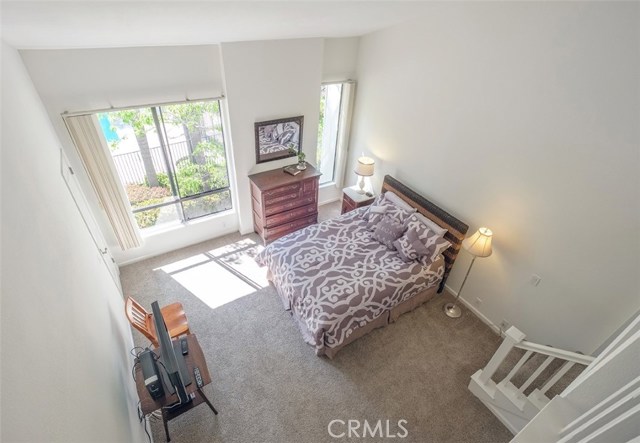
270	387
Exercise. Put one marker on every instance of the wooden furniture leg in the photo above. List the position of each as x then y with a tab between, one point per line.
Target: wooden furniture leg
166	425
206	400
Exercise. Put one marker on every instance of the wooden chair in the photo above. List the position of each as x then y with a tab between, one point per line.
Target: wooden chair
173	314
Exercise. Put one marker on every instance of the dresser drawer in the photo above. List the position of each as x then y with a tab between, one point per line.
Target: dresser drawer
283	217
293	188
278	199
276	209
277	232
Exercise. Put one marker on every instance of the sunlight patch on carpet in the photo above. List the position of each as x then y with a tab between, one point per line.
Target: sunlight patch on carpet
221	275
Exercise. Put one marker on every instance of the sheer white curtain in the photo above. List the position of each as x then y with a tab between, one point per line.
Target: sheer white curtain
86	134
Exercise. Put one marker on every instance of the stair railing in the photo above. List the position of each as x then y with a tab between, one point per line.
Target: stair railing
514	338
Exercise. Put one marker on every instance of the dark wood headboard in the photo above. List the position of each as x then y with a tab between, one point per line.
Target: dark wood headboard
456	229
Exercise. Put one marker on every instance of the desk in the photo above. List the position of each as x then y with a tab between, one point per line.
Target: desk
195	358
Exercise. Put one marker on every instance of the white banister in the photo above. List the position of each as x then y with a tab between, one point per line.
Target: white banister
557	376
506	400
536	374
555	352
517	367
617	409
608	403
616	428
513	336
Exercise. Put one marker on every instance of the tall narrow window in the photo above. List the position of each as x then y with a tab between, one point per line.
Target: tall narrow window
333	130
170	159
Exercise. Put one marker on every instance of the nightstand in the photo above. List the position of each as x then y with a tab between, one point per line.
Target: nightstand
352	199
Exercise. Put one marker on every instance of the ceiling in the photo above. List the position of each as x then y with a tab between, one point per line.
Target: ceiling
97	24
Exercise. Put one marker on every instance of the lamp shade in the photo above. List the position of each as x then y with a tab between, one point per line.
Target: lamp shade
479	244
364	166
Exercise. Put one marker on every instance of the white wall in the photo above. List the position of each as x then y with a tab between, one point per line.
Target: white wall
340	59
65	340
86	79
264	81
522	117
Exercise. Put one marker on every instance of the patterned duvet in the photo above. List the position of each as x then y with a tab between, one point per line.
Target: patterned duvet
335	278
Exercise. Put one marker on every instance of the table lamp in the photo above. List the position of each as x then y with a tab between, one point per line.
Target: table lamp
478	245
364	168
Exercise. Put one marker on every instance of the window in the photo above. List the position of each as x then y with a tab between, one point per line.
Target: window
333	130
170	159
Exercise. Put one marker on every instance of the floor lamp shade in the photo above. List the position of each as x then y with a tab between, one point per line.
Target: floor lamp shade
478	245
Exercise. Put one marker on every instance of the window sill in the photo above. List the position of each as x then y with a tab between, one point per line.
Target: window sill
329	185
177	225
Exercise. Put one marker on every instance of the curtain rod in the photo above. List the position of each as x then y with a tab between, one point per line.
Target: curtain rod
147	105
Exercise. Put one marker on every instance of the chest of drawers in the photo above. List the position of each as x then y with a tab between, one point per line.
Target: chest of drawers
283	203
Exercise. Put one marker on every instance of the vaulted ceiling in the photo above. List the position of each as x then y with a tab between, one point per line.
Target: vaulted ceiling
86	24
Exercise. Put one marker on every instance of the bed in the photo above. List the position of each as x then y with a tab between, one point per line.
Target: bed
339	283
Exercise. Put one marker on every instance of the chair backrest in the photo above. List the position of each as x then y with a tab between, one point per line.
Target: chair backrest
140	319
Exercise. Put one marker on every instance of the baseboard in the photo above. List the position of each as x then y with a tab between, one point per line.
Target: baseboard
495	328
176	248
331	200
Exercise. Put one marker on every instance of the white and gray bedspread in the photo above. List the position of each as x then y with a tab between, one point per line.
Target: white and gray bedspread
335	278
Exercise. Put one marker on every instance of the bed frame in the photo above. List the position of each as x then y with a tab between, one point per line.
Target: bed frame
456	231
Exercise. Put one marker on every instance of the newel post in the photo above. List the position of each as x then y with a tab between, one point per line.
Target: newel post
512	337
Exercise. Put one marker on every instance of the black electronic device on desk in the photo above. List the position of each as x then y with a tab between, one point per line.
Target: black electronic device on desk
174	365
152	380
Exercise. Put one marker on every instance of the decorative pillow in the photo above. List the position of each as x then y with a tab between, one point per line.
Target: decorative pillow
377	202
375	215
431	224
392	197
388	231
434	242
410	247
398	214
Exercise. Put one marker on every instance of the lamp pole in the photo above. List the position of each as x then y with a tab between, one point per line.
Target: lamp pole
452	309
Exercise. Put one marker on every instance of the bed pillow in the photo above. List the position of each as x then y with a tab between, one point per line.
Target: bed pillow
388	231
431	224
392	197
438	247
377	202
432	240
374	216
426	233
410	247
397	214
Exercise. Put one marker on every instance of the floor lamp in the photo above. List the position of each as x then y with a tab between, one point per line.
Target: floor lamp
478	245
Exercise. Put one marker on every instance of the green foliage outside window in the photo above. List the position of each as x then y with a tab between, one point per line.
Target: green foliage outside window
140	196
203	169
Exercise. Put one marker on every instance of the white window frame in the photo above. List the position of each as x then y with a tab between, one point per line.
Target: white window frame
332	191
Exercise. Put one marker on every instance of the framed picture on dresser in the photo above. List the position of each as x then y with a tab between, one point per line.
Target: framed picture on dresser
276	139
